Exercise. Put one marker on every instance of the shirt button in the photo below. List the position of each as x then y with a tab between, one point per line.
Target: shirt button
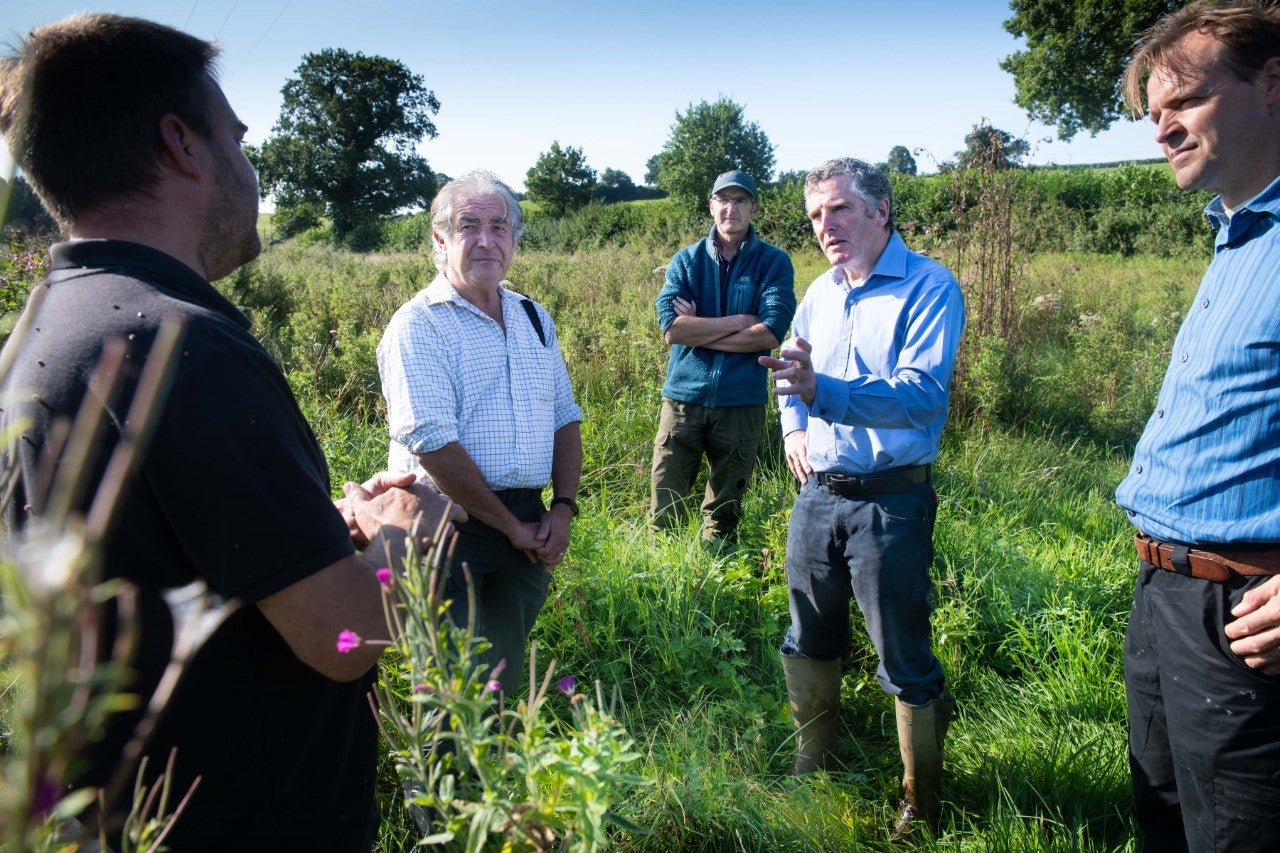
1159	413
1204	304
1131	513
1183	357
1137	469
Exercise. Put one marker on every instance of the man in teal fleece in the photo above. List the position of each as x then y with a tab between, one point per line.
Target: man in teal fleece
727	300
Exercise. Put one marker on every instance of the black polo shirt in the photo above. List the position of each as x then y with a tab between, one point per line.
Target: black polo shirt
233	490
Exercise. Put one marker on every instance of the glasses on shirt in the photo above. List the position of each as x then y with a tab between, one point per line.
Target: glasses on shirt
736	201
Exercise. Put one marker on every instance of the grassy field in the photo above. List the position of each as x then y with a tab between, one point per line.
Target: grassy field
1033	570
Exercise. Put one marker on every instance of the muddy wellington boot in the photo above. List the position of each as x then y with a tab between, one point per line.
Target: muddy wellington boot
813	686
921	731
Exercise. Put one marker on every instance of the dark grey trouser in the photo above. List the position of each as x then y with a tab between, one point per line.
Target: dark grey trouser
877	550
728	436
1204	729
509	590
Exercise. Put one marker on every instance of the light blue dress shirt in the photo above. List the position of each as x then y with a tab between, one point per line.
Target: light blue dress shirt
1207	468
883	351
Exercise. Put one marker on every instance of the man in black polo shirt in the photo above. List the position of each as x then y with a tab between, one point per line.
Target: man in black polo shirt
120	126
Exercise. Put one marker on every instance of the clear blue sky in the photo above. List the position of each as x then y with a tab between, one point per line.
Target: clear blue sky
823	79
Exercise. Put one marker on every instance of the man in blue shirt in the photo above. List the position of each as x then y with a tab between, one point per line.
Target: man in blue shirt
727	300
864	389
1202	654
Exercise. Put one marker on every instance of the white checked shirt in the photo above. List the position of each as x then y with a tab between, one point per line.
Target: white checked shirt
450	374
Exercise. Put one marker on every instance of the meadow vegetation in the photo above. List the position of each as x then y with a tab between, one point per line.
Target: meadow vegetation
1071	322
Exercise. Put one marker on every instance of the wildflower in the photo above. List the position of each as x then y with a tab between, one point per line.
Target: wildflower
44	798
423	688
384	578
348	640
493	685
566	684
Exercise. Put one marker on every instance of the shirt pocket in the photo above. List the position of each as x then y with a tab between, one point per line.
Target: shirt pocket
534	379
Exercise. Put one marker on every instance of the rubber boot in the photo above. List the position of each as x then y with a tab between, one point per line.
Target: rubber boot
921	731
813	686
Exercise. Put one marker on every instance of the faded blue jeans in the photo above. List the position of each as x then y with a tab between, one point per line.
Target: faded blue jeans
877	550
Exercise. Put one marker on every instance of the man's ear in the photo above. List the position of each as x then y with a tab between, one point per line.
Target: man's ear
1270	76
178	141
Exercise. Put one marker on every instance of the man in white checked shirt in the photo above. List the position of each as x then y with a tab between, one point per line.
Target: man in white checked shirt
478	399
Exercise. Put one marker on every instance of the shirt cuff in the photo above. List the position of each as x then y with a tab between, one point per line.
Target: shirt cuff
830	400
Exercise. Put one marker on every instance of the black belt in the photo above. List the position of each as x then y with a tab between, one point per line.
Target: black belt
858	485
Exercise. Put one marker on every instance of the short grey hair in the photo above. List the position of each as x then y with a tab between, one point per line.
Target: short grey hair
867	182
462	189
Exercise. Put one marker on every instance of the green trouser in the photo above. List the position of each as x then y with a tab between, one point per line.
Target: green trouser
728	437
509	590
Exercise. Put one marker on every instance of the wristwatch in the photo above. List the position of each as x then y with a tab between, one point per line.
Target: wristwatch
569	502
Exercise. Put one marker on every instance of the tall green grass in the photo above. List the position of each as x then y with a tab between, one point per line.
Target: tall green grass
1033	570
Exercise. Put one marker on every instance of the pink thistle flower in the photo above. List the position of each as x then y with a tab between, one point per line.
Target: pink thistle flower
348	640
423	688
384	578
493	686
566	684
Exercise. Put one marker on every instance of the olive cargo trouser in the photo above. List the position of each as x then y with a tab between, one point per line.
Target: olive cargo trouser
728	436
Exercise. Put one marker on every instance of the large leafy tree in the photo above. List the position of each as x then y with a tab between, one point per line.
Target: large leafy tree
1069	75
345	140
707	139
900	161
990	148
560	180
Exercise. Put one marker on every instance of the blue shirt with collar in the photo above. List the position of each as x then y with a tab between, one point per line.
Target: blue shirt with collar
1207	468
884	351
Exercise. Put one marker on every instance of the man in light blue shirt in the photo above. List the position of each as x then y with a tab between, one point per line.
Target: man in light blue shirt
864	387
1202	653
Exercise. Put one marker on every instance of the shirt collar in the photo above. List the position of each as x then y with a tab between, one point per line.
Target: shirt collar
1230	228
714	251
442	290
892	263
160	270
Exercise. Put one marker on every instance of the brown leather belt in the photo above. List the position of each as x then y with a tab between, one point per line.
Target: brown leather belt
858	485
1217	565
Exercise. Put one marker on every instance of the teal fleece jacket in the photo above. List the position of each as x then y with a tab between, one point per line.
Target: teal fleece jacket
763	284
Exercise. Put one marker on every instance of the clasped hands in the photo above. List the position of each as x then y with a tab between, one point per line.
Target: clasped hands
394	500
547	540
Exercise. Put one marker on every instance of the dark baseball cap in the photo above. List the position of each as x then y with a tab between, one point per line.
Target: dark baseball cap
735	178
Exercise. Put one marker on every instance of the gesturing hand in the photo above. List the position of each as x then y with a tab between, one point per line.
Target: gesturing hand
793	370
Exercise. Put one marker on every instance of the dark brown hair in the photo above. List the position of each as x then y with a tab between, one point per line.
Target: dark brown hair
1249	28
81	102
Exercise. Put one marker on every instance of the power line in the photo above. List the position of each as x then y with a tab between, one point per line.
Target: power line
261	37
190	14
231	12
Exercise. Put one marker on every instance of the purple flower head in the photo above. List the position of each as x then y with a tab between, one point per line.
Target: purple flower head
348	640
493	686
44	798
423	688
566	684
384	578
